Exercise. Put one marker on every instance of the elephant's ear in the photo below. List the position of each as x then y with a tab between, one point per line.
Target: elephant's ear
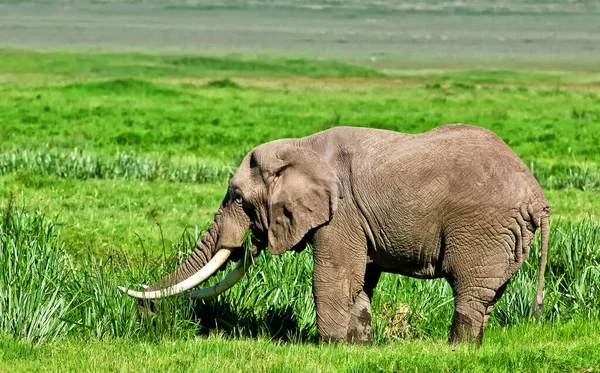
302	192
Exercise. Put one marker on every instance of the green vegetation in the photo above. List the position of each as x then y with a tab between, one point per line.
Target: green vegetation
134	65
186	118
111	166
45	295
564	347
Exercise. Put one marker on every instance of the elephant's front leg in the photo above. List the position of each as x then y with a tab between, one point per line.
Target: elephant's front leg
342	304
334	297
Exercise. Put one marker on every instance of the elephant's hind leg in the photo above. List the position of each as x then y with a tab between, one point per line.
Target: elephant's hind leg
490	307
478	266
472	308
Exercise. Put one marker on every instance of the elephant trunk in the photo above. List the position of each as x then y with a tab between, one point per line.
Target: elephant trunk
204	261
203	252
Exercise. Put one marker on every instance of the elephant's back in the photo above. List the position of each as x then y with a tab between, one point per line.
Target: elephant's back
475	162
454	169
456	161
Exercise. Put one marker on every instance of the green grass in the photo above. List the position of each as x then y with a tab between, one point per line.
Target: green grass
121	166
137	65
124	206
565	347
405	307
47	294
206	123
100	216
113	164
68	137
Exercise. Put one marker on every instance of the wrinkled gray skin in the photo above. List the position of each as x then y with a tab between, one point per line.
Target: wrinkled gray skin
454	202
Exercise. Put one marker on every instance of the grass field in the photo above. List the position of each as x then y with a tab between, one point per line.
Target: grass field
560	348
92	130
113	162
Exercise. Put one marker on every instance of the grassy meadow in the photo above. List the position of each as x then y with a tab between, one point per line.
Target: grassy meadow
112	164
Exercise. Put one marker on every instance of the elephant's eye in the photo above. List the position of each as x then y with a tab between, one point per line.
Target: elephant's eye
238	199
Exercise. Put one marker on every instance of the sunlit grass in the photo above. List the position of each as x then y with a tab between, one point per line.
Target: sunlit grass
47	294
553	347
107	177
122	166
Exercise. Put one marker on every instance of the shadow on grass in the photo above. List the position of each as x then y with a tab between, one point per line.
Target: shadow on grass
220	316
278	324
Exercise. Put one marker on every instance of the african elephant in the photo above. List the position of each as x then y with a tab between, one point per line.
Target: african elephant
454	202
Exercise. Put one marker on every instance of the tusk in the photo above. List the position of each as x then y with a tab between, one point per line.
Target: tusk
235	275
205	272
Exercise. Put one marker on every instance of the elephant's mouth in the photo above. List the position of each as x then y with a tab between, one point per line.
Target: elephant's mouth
258	245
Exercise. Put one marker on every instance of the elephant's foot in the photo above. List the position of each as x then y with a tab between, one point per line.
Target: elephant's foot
466	328
344	324
357	329
472	313
360	328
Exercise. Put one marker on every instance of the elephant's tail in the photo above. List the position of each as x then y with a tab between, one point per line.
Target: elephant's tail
539	297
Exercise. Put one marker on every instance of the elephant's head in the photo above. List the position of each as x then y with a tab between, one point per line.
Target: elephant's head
280	193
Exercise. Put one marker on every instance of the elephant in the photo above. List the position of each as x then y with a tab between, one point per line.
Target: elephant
454	202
